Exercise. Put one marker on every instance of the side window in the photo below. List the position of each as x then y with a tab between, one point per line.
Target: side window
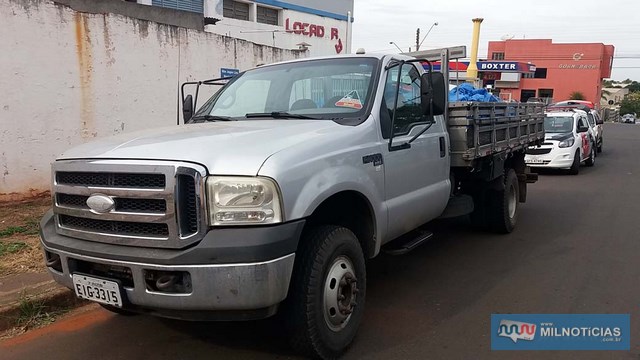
590	119
581	123
408	109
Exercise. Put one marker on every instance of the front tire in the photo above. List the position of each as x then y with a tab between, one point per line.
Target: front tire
592	156
575	166
327	293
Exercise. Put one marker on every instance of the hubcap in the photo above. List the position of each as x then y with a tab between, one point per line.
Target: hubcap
513	199
340	293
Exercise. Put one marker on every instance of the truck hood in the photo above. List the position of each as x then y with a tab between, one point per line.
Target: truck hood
224	148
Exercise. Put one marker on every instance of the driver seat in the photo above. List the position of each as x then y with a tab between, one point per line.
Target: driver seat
303	104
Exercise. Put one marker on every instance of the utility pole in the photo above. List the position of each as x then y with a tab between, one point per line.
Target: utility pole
418	39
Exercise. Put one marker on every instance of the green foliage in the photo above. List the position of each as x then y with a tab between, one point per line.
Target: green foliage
30	228
33	313
631	104
11	247
634	87
576	95
12	230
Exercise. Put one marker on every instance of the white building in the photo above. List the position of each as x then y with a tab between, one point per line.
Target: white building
321	26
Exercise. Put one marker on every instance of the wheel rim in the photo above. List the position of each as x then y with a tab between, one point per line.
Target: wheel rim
340	293
513	200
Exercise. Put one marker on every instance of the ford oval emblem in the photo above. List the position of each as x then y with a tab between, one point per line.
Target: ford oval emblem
100	203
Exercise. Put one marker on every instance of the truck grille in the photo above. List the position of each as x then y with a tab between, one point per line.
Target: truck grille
114	227
147	203
158	206
145	181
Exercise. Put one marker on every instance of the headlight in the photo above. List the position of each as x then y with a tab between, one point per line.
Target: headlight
567	143
243	201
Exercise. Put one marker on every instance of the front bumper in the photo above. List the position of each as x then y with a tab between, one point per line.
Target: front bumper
551	160
248	289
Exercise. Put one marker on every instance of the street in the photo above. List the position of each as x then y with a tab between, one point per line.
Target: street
575	250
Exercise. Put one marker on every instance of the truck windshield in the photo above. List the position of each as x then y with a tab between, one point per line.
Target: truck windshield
316	89
558	124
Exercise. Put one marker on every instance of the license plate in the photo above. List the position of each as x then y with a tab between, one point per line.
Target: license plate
534	161
99	290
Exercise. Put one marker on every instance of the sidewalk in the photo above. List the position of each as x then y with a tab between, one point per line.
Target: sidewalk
20	290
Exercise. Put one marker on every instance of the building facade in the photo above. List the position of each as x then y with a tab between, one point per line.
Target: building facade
561	69
322	27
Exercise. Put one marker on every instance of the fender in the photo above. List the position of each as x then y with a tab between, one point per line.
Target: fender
330	181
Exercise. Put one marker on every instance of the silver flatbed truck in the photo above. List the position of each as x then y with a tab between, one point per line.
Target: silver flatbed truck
272	196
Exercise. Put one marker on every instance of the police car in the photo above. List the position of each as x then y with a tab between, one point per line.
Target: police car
567	145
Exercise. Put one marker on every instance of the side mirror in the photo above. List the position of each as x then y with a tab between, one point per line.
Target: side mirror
599	121
187	108
433	90
583	129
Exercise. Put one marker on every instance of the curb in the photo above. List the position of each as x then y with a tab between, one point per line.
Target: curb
49	294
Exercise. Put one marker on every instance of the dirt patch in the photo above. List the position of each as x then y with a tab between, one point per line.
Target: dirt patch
19	242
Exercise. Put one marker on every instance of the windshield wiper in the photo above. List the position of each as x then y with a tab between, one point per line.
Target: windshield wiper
280	115
212	118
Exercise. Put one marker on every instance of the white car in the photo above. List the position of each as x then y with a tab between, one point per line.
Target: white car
628	119
567	143
596	128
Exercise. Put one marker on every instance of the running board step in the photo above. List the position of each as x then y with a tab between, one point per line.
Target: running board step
407	243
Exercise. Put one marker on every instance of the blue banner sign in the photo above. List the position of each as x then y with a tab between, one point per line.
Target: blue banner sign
489	66
560	332
226	72
498	66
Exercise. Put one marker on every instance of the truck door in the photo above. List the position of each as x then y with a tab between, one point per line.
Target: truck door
417	182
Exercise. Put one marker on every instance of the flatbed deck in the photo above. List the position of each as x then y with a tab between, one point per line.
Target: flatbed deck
480	129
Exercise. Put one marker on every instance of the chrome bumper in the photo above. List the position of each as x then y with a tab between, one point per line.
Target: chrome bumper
220	287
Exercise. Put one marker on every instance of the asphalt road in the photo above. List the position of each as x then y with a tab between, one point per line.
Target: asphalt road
576	250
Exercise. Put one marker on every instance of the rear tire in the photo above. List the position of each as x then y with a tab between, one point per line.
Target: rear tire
600	146
575	166
502	205
327	292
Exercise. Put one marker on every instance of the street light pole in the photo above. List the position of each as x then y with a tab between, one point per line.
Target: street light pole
434	24
396	45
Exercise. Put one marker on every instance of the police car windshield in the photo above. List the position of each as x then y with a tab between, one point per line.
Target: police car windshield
558	124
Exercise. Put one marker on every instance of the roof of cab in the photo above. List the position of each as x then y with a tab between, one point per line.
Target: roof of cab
378	56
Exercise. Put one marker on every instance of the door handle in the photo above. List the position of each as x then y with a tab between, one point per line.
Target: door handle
443	151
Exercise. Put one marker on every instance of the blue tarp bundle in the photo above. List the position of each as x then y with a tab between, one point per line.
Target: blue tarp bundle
466	92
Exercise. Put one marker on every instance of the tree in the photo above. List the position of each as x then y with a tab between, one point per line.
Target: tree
630	104
634	87
576	95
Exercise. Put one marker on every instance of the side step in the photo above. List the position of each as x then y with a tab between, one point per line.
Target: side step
406	243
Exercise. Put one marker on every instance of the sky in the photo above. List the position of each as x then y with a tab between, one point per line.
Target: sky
612	22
